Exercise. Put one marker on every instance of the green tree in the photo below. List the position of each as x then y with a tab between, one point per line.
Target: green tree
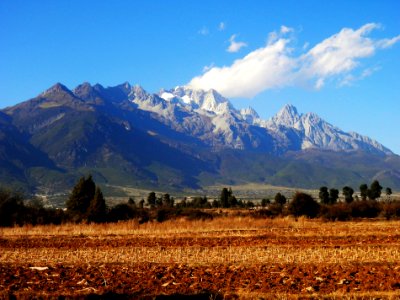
265	202
363	191
303	204
216	203
280	199
141	203
11	208
375	190
79	200
224	197
333	196
348	194
233	202
97	209
131	201
151	199
323	195
167	200
388	192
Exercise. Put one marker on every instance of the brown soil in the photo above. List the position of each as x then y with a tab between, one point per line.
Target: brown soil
24	275
155	279
77	242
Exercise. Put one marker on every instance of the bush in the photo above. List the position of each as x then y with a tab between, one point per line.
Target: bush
163	214
196	214
11	208
275	209
336	212
303	205
391	210
365	209
121	212
280	199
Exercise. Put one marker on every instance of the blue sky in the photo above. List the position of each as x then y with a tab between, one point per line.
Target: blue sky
339	59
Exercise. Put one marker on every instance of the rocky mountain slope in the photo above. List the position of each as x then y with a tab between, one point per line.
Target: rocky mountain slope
176	139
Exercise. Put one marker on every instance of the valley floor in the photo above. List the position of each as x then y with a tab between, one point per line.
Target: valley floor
228	257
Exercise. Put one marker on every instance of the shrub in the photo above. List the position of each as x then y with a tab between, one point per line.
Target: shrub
391	210
336	212
265	202
365	209
167	213
303	205
121	212
11	208
280	199
275	209
196	214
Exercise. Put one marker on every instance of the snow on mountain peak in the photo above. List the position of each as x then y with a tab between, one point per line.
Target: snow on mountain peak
314	132
287	116
212	118
249	115
208	101
167	96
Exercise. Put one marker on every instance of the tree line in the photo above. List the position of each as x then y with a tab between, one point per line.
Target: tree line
86	203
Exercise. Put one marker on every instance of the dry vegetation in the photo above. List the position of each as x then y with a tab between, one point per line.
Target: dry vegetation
226	257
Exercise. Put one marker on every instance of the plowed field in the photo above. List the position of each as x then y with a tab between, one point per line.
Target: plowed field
223	258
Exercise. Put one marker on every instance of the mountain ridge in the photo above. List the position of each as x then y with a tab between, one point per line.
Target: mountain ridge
179	138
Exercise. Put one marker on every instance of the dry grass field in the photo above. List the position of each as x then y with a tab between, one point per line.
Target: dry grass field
228	257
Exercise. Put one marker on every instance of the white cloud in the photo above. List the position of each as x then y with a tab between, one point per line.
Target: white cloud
263	68
387	43
274	36
209	67
235	46
221	26
204	31
339	53
320	83
275	65
349	79
285	29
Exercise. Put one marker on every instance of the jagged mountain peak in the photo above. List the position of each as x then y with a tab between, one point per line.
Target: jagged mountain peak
138	92
311	131
136	133
210	115
288	116
312	118
206	100
125	87
288	110
57	88
249	114
86	91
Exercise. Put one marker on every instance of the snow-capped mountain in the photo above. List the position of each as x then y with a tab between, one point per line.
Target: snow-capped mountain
213	119
177	138
203	114
313	132
202	101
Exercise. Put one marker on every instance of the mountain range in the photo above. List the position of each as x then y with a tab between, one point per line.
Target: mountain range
177	139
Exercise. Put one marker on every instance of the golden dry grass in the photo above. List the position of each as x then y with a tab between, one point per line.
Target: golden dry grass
262	253
205	256
280	241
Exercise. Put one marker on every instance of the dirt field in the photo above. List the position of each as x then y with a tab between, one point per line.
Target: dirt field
229	257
